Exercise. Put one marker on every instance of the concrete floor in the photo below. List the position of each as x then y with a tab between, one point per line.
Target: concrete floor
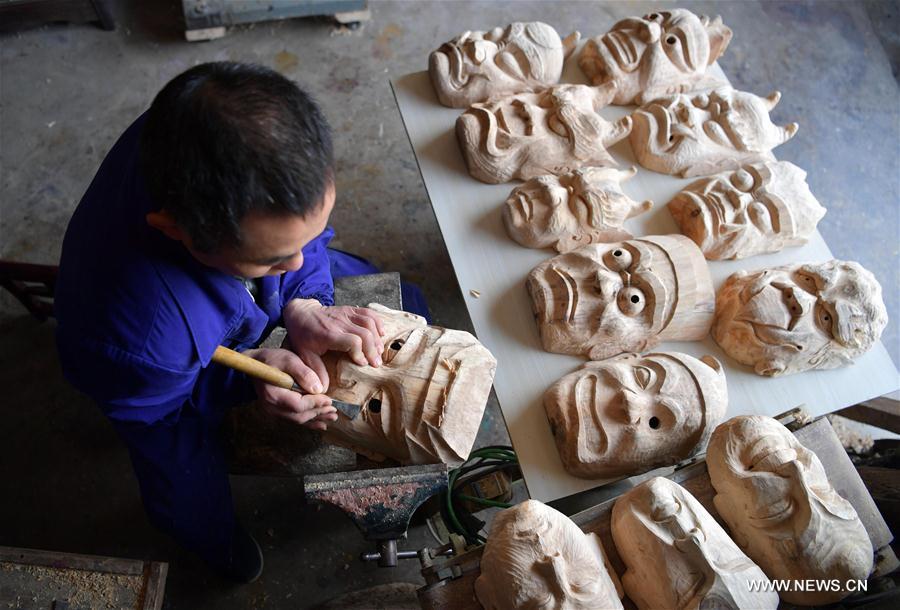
67	92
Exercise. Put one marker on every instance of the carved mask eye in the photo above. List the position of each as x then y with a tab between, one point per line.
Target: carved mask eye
643	376
742	180
374	403
631	301
701	101
825	319
618	259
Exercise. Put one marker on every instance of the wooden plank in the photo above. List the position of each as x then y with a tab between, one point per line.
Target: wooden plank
155	588
819	437
882	412
57	559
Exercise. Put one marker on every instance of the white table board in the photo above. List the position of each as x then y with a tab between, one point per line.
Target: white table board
488	262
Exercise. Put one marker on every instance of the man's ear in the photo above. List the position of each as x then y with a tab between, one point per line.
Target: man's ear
163	221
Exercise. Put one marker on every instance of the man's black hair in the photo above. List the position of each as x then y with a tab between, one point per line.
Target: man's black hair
223	139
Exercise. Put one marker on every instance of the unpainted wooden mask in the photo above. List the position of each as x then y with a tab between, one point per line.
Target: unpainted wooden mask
424	404
633	413
799	317
605	299
761	207
677	556
782	510
552	131
476	65
536	557
572	210
704	132
659	54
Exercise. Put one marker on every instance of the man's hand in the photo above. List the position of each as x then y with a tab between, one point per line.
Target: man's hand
314	329
310	410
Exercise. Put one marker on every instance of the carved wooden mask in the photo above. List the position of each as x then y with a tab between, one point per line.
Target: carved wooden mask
799	317
781	509
526	135
572	210
678	557
632	413
536	557
759	208
424	404
475	66
701	133
662	53
605	299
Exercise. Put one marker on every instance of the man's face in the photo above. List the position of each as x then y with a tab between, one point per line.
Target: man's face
532	134
675	551
761	207
603	299
799	317
663	52
778	502
628	414
424	404
270	244
477	65
697	133
572	210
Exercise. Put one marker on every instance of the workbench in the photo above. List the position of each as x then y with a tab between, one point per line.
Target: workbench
491	269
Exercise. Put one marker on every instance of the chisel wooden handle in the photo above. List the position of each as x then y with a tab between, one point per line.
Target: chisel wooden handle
254	368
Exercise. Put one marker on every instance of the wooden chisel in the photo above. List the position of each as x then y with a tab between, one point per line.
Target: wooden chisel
269	374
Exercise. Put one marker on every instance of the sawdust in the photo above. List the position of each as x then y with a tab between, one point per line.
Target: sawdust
78	588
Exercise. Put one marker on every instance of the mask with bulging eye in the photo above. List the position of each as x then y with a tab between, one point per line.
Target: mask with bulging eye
799	317
704	132
662	53
424	404
632	413
775	497
757	209
476	66
604	299
536	557
569	211
526	135
677	556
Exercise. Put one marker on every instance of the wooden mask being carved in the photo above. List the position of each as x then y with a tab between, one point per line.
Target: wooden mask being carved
678	557
701	133
424	404
759	208
633	413
781	509
526	135
579	208
799	317
536	557
605	299
476	66
662	53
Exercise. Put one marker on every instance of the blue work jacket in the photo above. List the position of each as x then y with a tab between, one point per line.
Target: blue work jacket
139	317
